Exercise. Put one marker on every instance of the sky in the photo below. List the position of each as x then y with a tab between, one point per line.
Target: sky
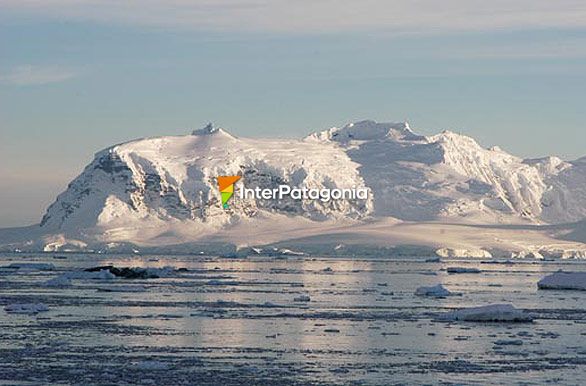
77	76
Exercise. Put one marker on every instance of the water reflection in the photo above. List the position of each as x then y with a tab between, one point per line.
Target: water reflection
247	317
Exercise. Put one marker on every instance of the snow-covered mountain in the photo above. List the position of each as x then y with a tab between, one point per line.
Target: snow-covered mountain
449	175
174	179
164	189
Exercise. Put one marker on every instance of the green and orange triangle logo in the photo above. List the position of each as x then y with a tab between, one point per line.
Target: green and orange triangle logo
226	186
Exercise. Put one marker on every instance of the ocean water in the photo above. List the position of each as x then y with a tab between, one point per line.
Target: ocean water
248	322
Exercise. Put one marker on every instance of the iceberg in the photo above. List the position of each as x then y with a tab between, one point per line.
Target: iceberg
564	281
489	313
64	280
435	291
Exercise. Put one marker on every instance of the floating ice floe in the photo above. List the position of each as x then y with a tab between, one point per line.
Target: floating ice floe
134	272
462	270
32	266
103	274
564	281
26	308
59	281
109	273
64	280
435	291
123	288
508	342
152	365
489	313
222	282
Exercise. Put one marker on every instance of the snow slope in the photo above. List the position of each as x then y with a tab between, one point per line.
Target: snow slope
163	190
450	175
156	180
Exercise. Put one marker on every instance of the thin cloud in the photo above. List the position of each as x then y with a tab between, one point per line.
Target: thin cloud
28	75
547	48
314	16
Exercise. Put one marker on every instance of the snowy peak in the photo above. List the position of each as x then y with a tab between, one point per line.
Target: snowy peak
210	129
367	130
455	141
548	165
206	130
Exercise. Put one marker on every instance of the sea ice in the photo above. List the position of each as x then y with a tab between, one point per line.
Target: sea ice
436	291
509	342
489	313
123	288
26	308
152	365
564	281
462	270
64	280
32	266
134	272
103	274
59	281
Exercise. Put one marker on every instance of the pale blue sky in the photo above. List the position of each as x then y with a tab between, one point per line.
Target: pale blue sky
77	78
